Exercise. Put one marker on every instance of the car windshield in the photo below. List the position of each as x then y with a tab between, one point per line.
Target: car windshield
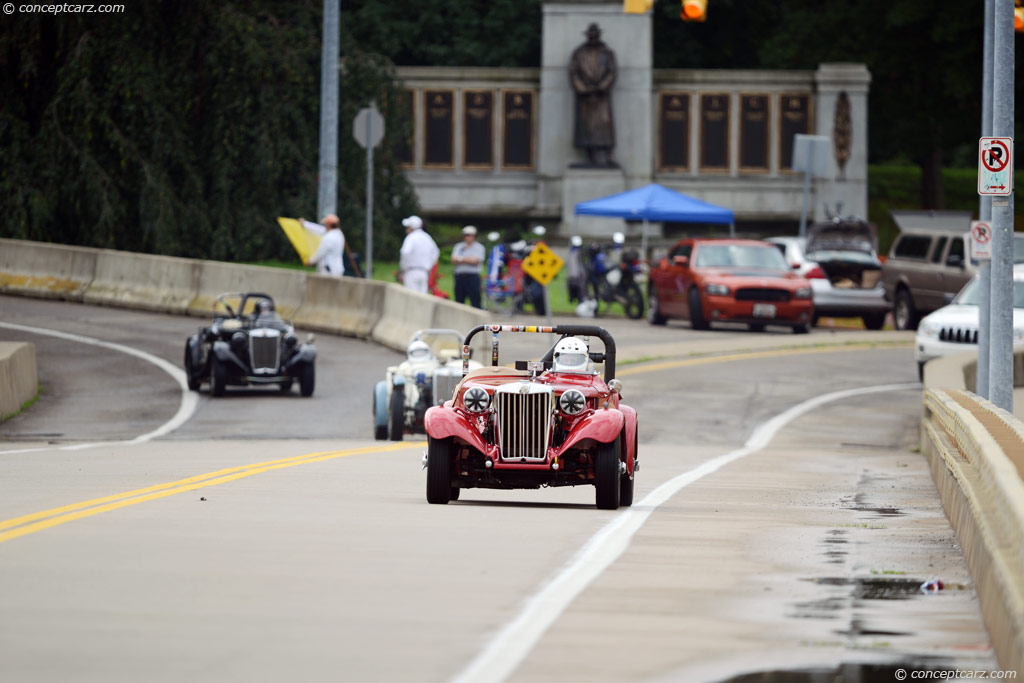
970	295
742	255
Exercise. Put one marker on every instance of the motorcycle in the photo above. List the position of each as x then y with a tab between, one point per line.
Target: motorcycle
612	277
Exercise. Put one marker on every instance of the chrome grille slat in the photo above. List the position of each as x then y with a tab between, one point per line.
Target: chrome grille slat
958	335
523	425
264	351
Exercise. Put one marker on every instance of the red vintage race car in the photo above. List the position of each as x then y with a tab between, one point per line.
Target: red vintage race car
548	422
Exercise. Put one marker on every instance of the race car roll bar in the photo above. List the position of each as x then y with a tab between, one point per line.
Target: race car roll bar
563	330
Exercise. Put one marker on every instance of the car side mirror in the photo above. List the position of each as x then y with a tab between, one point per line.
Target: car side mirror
615	385
955	260
683	261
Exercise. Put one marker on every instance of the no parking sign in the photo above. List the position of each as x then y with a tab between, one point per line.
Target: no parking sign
981	241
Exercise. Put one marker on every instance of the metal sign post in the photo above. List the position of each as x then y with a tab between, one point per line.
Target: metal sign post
368	130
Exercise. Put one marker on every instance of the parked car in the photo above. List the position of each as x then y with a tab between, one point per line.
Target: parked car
426	377
549	422
928	264
954	328
707	280
840	260
249	344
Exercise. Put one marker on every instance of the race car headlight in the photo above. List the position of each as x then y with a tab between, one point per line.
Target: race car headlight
716	289
476	400
238	341
290	340
802	293
927	329
572	402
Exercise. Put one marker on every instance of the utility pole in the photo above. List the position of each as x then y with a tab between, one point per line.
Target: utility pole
985	212
1001	343
327	195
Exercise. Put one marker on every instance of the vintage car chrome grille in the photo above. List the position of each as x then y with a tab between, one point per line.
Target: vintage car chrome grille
523	424
958	335
445	381
264	351
762	294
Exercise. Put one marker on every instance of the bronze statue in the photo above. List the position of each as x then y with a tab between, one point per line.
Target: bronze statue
592	72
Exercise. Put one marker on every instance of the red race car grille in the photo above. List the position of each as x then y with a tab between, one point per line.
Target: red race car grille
762	294
523	421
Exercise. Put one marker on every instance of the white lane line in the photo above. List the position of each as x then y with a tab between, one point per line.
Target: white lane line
189	399
509	647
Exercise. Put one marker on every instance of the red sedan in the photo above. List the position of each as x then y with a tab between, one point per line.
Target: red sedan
707	280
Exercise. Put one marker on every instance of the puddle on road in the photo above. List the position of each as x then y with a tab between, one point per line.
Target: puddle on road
844	673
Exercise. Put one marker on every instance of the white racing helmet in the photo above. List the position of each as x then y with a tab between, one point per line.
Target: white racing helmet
418	350
571	355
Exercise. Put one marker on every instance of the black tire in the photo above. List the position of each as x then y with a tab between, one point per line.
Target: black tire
873	321
380	432
396	414
606	475
625	481
191	376
307	379
801	329
697	320
455	493
633	302
218	376
439	470
286	386
904	315
756	327
654	315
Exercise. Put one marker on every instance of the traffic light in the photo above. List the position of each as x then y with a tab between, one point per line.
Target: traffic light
694	10
1018	17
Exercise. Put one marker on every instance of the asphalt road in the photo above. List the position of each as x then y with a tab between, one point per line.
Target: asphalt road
270	538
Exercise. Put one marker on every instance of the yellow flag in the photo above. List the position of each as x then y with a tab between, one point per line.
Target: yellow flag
637	6
302	238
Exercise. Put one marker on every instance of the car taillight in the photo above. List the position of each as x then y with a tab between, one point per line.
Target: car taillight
815	272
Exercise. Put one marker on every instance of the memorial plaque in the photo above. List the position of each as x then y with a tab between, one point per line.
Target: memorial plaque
795	117
714	132
517	116
674	131
478	129
403	143
754	133
437	139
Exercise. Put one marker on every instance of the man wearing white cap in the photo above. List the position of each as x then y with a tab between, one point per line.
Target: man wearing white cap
467	256
418	255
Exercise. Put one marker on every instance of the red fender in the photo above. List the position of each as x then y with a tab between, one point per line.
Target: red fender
440	423
600	425
631	421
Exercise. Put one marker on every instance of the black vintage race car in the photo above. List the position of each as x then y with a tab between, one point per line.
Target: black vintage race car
249	344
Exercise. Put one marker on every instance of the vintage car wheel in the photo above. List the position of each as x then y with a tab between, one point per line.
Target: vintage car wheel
606	475
396	414
904	316
654	315
286	386
697	320
307	379
190	372
380	432
218	376
439	470
873	321
633	302
626	482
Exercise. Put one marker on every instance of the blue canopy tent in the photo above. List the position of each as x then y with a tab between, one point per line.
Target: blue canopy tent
656	203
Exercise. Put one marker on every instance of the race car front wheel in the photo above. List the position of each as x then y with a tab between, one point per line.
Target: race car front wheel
439	470
606	474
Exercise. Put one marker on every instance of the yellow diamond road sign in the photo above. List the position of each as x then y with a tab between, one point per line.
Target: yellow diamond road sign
542	264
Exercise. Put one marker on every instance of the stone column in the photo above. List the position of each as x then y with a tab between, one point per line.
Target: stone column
841	113
630	37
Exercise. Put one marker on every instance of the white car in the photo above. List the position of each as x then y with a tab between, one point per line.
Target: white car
954	328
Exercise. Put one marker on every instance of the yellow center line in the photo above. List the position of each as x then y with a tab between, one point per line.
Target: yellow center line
38	521
28	524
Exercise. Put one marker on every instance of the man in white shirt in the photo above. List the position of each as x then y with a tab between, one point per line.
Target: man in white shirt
327	259
418	255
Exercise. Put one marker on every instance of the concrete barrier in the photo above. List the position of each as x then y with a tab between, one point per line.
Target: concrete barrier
347	305
402	313
51	271
976	454
19	380
288	287
160	283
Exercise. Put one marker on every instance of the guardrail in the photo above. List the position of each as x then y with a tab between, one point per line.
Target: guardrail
19	380
385	312
976	454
